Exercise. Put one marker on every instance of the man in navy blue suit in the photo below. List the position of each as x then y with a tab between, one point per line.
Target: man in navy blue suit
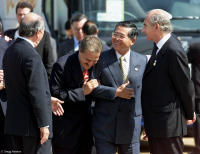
71	82
117	112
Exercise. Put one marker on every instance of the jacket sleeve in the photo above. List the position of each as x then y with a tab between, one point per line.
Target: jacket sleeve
180	75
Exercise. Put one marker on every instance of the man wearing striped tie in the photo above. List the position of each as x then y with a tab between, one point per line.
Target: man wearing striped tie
117	113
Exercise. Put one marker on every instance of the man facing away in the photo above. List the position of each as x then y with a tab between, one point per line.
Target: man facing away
117	112
71	81
167	91
90	28
28	118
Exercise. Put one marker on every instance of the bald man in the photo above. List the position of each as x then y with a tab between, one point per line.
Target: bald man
28	119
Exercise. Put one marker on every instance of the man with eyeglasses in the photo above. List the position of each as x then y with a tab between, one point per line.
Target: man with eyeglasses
117	113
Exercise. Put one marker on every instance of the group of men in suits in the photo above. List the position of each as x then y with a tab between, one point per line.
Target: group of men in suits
45	47
120	81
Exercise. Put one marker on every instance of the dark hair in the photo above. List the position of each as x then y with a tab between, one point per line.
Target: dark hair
129	24
67	25
23	5
77	17
90	28
28	29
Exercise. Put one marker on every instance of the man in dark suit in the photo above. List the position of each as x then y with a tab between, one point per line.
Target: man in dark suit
167	91
70	45
3	103
44	48
28	118
117	112
90	28
194	59
71	82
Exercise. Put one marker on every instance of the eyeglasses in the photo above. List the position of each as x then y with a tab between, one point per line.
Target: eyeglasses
118	35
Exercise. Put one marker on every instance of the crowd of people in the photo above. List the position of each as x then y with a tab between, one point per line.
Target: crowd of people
98	95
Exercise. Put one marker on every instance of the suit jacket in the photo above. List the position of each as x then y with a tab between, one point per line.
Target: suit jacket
44	49
27	88
66	47
167	92
66	84
113	116
3	47
194	59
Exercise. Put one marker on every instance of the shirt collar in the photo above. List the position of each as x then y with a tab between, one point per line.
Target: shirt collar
16	34
126	56
29	41
163	41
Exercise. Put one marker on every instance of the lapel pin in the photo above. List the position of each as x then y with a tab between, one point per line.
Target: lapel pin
154	63
136	69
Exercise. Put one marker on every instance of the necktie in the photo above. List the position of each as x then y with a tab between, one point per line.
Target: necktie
85	75
152	60
124	69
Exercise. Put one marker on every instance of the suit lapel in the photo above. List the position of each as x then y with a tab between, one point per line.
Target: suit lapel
78	71
133	68
114	67
159	56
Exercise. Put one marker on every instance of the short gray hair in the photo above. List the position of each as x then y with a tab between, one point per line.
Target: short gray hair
91	43
28	28
161	17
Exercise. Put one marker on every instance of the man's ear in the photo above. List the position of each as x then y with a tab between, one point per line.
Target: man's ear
157	26
133	41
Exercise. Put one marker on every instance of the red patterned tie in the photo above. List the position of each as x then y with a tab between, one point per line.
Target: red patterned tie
85	75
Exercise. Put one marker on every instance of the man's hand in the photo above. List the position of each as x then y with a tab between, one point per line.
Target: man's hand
44	134
1	80
7	38
57	108
1	75
88	86
190	122
124	92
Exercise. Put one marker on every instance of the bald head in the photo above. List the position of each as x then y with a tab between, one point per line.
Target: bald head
30	24
161	17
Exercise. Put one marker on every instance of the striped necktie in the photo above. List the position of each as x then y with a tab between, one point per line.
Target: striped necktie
124	69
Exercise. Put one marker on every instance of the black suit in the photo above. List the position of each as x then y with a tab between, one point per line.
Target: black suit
44	49
3	47
29	99
66	47
194	59
72	131
167	94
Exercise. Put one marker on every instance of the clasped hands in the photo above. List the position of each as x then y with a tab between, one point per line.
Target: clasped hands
89	86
